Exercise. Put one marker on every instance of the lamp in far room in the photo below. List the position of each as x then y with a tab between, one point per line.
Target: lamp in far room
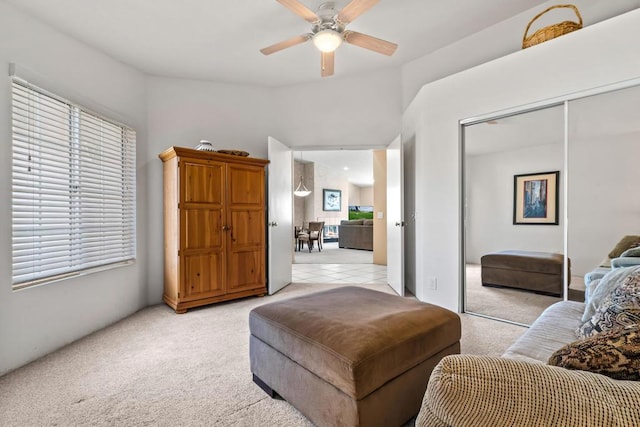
301	190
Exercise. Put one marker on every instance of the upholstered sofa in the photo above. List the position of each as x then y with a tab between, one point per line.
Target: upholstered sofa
356	234
521	388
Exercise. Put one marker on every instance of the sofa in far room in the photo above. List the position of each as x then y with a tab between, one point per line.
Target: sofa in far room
577	365
356	234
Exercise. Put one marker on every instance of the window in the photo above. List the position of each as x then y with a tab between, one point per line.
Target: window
73	189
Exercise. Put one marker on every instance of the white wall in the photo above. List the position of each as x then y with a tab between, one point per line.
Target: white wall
603	196
360	195
38	320
489	202
181	112
354	195
574	62
360	111
366	196
499	40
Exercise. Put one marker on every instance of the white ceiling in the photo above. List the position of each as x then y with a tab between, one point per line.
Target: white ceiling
220	40
358	163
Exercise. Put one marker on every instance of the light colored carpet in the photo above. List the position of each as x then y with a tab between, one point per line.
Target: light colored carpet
332	254
162	369
503	303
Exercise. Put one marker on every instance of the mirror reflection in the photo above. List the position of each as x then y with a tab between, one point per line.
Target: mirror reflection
514	233
603	177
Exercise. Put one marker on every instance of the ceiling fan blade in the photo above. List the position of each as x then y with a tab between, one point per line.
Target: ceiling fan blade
299	9
355	9
370	42
326	63
285	44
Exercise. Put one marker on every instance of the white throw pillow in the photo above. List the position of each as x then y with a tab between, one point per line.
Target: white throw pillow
606	285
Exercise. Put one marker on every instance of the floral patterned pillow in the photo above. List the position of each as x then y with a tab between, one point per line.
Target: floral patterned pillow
614	353
620	308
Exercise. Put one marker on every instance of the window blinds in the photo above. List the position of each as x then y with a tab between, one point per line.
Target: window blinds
73	188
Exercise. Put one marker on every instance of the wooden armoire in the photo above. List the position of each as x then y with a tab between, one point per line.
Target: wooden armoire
214	227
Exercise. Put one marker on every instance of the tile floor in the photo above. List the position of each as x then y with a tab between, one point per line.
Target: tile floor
339	273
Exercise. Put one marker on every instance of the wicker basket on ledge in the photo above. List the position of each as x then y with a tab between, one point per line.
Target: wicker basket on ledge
552	31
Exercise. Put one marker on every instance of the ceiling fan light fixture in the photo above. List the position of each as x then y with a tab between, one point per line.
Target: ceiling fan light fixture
328	31
327	40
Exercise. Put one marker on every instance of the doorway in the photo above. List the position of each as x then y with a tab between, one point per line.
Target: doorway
342	189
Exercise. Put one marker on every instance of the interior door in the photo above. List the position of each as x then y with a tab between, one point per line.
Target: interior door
280	215
395	217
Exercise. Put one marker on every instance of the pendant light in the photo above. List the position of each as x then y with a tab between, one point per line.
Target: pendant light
301	190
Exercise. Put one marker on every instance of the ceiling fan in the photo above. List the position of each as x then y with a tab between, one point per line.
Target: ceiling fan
328	31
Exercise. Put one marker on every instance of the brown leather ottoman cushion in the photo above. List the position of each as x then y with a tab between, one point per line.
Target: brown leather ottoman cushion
540	272
538	262
355	338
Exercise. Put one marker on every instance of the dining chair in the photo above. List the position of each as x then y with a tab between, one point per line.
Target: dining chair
315	234
299	234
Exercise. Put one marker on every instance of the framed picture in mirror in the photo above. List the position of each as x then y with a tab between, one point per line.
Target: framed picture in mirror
535	198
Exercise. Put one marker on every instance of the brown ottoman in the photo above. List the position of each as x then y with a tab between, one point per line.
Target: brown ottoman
350	356
540	272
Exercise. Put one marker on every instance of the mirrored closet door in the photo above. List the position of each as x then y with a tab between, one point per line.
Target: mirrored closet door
516	170
514	233
603	176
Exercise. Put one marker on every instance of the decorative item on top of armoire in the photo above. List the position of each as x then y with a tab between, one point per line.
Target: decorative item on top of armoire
552	31
205	145
235	152
214	227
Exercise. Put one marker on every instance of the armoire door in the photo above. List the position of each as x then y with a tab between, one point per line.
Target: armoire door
246	233
202	219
